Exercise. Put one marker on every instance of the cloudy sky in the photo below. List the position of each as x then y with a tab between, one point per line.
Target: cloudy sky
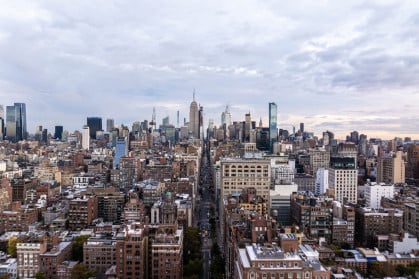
334	65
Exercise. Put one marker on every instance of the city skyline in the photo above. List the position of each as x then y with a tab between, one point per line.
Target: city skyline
333	66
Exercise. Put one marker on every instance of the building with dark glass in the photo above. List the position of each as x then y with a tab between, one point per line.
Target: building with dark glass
95	124
58	134
16	129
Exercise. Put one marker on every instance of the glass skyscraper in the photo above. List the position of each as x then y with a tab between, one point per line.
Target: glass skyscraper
121	150
95	124
16	122
273	131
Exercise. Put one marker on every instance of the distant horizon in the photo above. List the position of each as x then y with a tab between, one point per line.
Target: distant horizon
265	121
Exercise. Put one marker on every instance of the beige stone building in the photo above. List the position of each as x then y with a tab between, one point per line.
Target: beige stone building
391	168
239	174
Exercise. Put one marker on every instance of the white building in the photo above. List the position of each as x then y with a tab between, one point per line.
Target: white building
322	181
406	245
374	192
343	179
85	137
9	267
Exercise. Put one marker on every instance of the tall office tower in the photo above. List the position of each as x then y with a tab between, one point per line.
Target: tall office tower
136	127
58	134
121	150
177	120
363	144
201	123
354	137
194	118
11	123
38	133
273	122
328	137
85	137
1	129
1	122
153	120
343	179
302	128
391	168
21	128
95	124
247	127
165	121
110	125
44	136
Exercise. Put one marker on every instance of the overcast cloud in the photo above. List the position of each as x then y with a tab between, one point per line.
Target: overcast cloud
334	65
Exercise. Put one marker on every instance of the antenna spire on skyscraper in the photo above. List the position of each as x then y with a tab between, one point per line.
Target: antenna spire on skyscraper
194	94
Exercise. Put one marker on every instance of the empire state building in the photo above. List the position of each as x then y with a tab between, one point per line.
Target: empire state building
194	118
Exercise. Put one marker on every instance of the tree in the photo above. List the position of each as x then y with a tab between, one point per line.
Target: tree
11	246
77	250
192	253
217	267
80	271
40	275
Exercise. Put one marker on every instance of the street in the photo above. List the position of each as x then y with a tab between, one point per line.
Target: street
204	212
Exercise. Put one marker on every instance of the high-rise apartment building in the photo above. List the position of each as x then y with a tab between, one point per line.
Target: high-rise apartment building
343	179
194	119
391	168
273	121
95	124
85	137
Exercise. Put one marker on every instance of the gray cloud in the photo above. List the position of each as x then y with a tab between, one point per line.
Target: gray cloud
120	59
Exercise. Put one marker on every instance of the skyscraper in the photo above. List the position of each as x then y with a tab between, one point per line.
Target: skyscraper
110	124
11	123
95	124
21	129
194	118
85	137
58	134
16	122
201	122
273	131
1	129
121	149
1	122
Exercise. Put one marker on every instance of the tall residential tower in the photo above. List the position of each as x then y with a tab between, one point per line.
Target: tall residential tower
273	131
